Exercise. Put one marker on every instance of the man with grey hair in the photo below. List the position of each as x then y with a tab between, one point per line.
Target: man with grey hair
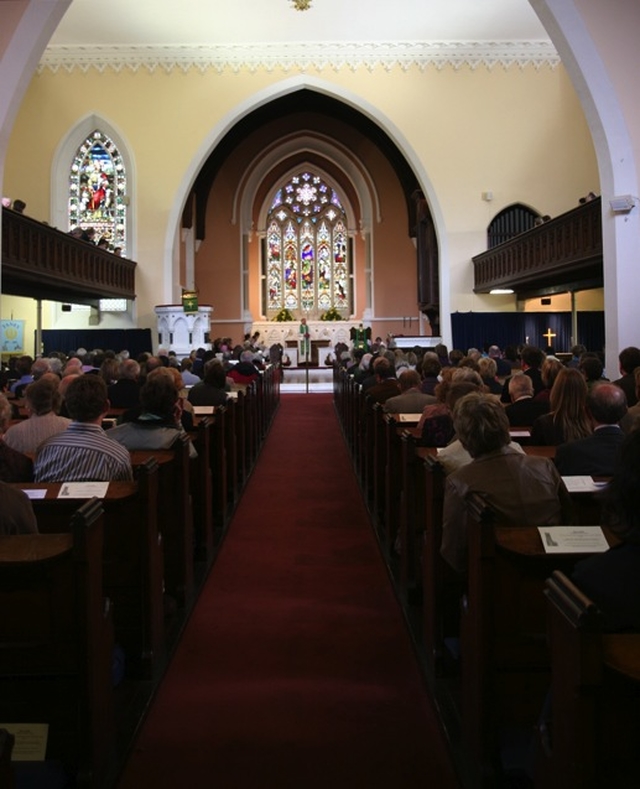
523	410
42	402
125	392
597	454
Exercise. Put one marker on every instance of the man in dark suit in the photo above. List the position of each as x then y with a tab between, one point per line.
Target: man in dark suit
125	392
628	360
523	409
386	385
597	454
531	359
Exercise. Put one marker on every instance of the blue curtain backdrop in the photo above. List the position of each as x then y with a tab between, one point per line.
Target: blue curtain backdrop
477	329
136	341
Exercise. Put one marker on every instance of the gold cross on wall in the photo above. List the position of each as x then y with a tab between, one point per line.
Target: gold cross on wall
548	336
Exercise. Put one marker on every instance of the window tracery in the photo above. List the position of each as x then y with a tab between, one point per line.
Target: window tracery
307	265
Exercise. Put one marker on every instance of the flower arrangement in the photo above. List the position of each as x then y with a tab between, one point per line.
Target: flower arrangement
331	314
283	315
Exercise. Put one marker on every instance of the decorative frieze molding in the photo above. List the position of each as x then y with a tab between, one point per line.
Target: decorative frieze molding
302	56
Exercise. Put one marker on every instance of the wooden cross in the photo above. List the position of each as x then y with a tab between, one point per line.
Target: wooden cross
548	336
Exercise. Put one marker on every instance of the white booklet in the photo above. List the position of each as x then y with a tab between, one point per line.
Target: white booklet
83	490
583	484
203	410
409	417
573	539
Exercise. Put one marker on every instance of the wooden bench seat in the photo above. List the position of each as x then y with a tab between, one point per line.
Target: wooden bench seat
132	568
56	641
589	736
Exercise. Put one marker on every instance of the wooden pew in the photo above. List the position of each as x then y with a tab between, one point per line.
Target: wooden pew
202	487
132	559
594	712
175	516
56	642
505	662
6	771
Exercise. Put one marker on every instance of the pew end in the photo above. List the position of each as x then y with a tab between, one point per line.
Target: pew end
56	643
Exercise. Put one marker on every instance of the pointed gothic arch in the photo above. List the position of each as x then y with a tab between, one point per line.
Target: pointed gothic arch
76	175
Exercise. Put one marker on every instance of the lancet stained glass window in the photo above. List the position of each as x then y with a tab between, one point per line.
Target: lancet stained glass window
97	190
307	266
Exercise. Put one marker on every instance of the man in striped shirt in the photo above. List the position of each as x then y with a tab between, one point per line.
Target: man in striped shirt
83	452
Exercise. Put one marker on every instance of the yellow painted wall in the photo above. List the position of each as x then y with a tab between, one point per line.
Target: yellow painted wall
519	133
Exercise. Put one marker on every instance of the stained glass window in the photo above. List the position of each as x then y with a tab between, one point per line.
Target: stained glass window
307	266
97	190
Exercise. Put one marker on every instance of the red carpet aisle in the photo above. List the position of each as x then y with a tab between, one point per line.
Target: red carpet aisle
295	669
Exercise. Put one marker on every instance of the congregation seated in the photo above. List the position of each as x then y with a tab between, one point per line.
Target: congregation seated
14	466
42	403
523	489
531	360
431	369
363	368
244	372
159	422
503	366
612	579
83	451
212	389
386	384
16	512
186	370
438	430
549	372
628	359
23	371
597	454
523	409
591	367
411	399
631	420
568	419
488	370
125	391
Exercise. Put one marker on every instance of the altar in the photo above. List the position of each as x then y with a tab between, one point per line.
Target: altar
323	335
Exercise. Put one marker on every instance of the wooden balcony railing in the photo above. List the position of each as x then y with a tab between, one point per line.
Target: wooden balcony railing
562	254
41	262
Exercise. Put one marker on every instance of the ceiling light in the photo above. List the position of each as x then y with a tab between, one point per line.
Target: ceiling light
500	292
301	5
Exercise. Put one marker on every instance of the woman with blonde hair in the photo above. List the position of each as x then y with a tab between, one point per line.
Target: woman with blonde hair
568	419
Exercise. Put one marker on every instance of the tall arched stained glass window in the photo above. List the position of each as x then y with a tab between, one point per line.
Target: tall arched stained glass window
97	190
307	266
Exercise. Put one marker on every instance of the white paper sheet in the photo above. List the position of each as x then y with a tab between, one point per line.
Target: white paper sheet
34	493
83	490
573	539
583	484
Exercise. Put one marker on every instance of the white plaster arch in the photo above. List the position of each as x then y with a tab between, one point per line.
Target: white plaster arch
61	163
259	99
617	167
20	59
